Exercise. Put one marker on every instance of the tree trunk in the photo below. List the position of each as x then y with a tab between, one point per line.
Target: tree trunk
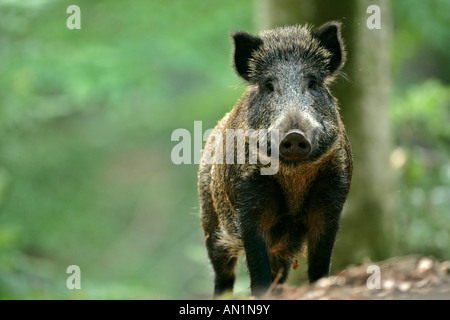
367	224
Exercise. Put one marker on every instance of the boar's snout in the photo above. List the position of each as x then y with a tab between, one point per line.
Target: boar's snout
295	146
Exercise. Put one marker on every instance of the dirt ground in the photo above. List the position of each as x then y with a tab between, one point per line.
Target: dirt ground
400	278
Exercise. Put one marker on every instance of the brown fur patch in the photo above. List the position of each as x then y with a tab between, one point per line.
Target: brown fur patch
295	179
279	245
231	242
315	223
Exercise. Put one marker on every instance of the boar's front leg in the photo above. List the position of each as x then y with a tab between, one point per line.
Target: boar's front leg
327	200
253	203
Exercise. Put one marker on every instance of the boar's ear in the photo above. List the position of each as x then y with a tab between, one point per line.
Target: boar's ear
244	46
329	36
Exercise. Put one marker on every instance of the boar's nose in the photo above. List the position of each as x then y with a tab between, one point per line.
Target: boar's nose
294	146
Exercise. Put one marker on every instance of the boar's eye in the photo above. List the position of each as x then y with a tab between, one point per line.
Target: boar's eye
268	85
313	84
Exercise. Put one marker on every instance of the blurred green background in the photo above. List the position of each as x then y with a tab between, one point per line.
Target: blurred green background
86	118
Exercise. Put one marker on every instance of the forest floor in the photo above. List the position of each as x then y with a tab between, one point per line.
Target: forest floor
400	278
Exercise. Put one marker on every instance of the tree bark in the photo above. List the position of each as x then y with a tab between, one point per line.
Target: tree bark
367	224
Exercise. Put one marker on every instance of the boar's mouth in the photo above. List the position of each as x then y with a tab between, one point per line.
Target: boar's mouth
324	147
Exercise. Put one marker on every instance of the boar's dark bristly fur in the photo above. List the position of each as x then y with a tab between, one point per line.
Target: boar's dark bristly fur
272	218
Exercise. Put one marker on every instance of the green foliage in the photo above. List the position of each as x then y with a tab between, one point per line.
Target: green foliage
422	22
420	118
421	115
85	123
